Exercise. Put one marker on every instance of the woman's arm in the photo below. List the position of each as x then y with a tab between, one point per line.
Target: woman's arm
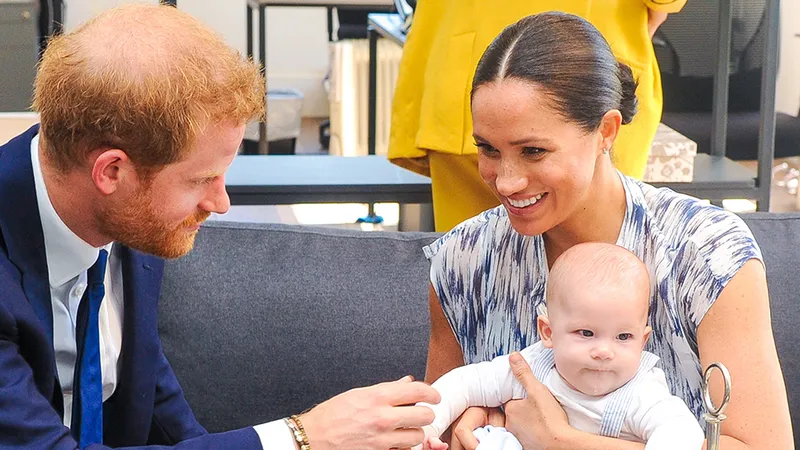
658	10
444	352
654	20
737	331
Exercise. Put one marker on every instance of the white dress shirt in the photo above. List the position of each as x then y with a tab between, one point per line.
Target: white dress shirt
68	259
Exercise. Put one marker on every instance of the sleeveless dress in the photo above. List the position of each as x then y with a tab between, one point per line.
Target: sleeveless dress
491	279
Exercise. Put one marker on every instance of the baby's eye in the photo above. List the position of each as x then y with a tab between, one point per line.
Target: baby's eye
625	336
586	333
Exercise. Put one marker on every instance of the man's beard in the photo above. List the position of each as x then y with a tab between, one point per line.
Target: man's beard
136	224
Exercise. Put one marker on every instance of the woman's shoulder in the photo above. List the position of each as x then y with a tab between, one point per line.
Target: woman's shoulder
687	218
467	236
696	229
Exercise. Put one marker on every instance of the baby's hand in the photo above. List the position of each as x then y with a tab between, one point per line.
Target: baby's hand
433	443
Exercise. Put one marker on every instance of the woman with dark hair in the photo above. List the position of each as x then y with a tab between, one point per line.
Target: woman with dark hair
431	127
548	100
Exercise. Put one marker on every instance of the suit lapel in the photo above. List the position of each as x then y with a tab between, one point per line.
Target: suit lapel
128	413
21	226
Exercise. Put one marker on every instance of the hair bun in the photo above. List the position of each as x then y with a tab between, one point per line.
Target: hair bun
628	104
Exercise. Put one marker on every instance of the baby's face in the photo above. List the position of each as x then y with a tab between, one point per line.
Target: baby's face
597	338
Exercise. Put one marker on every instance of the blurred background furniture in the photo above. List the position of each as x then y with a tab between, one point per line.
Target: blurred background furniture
687	73
349	13
18	52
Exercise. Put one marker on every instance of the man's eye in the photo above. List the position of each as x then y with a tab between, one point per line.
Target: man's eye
625	336
586	333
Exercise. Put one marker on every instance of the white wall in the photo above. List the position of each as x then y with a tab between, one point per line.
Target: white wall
297	40
298	55
788	89
79	11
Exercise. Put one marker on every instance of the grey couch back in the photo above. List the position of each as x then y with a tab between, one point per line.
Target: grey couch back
260	320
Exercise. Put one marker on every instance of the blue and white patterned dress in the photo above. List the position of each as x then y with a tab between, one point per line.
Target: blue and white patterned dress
490	279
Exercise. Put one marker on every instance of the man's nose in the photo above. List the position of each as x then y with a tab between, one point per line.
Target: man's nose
217	200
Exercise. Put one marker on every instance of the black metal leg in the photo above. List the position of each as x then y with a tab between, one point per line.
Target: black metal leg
263	146
249	12
372	111
373	89
719	125
766	133
330	23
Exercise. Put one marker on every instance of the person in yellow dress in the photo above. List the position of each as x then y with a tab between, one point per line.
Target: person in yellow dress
431	130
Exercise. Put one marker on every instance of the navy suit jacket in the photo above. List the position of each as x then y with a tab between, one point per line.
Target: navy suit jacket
148	406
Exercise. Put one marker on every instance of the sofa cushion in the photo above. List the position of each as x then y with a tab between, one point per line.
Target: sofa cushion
260	321
778	235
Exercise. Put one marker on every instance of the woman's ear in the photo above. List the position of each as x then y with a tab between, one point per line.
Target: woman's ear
609	128
545	332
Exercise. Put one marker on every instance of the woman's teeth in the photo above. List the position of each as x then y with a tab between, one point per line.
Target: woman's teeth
526	202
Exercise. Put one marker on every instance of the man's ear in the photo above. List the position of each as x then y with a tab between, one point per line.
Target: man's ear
110	167
545	332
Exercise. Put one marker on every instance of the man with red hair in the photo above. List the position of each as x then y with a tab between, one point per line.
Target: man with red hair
142	111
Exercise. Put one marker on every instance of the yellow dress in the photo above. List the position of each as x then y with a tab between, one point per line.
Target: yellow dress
431	130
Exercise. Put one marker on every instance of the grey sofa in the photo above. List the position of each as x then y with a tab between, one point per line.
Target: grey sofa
260	321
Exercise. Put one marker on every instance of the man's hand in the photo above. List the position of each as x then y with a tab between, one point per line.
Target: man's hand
475	417
537	421
654	20
372	418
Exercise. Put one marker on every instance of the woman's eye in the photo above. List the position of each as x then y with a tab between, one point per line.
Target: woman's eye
585	333
625	336
533	150
485	148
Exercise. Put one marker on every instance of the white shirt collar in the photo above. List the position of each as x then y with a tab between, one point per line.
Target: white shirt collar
67	254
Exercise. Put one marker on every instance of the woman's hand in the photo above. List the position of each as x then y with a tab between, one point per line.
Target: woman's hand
475	417
538	421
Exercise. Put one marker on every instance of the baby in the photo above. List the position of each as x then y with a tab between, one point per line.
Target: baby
590	355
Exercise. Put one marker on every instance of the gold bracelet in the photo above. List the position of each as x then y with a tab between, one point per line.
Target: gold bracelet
298	432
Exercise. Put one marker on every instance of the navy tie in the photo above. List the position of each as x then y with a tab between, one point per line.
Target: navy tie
87	385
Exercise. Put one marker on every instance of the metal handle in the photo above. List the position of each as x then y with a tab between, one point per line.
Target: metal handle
715	414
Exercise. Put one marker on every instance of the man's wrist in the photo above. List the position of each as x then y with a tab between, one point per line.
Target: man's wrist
275	435
298	432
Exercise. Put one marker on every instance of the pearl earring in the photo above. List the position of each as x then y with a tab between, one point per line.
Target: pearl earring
605	151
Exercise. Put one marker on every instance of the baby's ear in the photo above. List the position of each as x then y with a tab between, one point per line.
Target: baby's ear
647	332
545	332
